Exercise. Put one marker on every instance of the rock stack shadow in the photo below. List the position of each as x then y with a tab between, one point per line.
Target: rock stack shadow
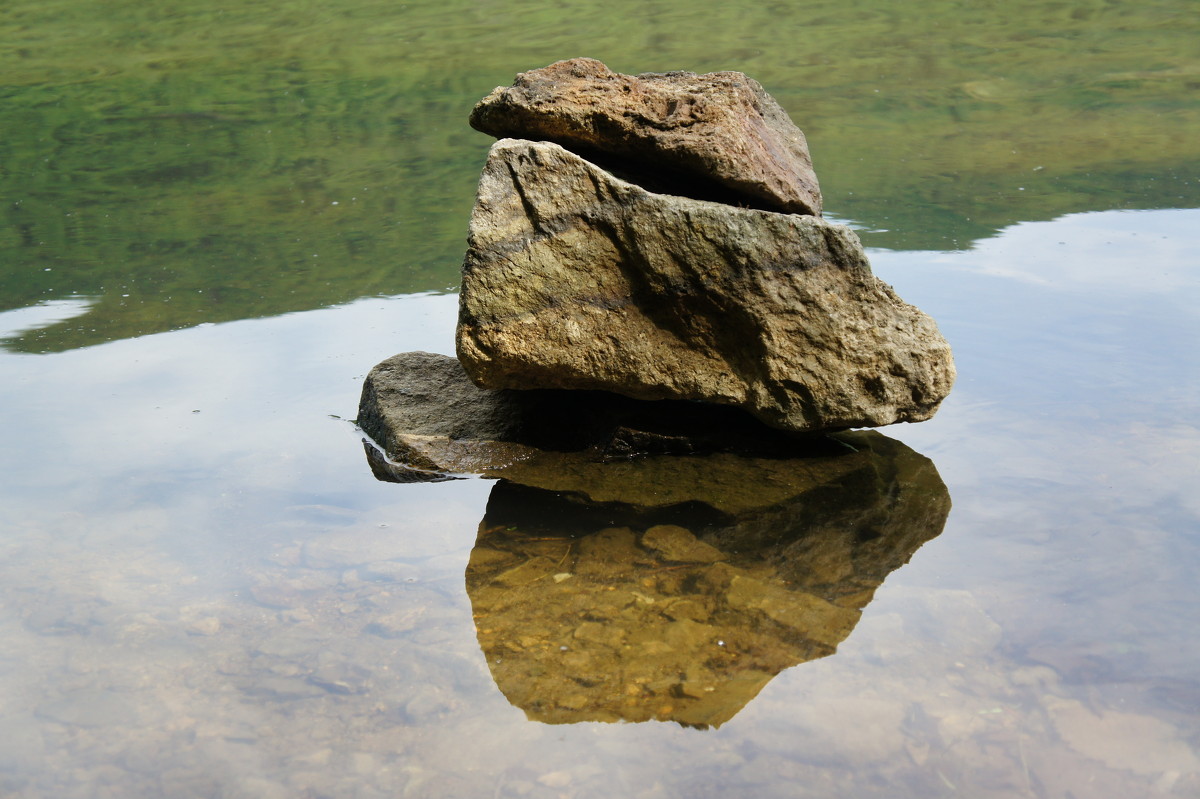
661	347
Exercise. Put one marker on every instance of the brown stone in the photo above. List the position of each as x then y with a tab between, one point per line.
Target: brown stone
717	136
575	279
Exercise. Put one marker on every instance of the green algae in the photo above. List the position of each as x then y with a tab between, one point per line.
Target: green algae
180	163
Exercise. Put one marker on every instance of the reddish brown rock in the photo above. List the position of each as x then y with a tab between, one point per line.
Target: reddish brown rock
716	136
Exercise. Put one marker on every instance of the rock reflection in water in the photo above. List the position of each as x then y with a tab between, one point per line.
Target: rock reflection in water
674	588
651	560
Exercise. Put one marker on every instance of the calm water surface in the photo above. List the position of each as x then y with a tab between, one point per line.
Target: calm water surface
218	217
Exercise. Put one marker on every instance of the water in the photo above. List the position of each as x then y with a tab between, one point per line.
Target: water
205	592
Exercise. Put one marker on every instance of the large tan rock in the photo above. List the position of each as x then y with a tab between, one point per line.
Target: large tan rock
710	135
575	279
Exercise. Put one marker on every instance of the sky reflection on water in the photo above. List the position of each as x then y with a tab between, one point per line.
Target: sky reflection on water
205	592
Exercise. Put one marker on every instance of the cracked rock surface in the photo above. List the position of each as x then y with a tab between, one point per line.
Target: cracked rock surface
718	134
577	279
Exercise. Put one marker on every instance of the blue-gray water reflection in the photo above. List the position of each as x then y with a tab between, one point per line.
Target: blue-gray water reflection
204	592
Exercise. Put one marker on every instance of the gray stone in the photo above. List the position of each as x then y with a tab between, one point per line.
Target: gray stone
422	393
575	279
428	421
716	134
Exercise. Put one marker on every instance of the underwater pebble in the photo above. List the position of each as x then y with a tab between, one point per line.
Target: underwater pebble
210	625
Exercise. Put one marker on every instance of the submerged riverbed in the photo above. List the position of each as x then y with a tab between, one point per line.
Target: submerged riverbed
204	590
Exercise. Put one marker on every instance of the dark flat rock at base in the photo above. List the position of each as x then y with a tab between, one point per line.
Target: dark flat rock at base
423	411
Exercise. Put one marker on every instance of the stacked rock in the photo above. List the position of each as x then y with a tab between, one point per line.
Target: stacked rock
651	237
659	236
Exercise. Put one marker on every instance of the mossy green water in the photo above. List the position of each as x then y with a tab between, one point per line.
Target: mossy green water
177	163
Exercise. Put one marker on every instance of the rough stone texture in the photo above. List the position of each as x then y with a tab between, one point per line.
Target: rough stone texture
428	421
721	128
575	279
417	400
